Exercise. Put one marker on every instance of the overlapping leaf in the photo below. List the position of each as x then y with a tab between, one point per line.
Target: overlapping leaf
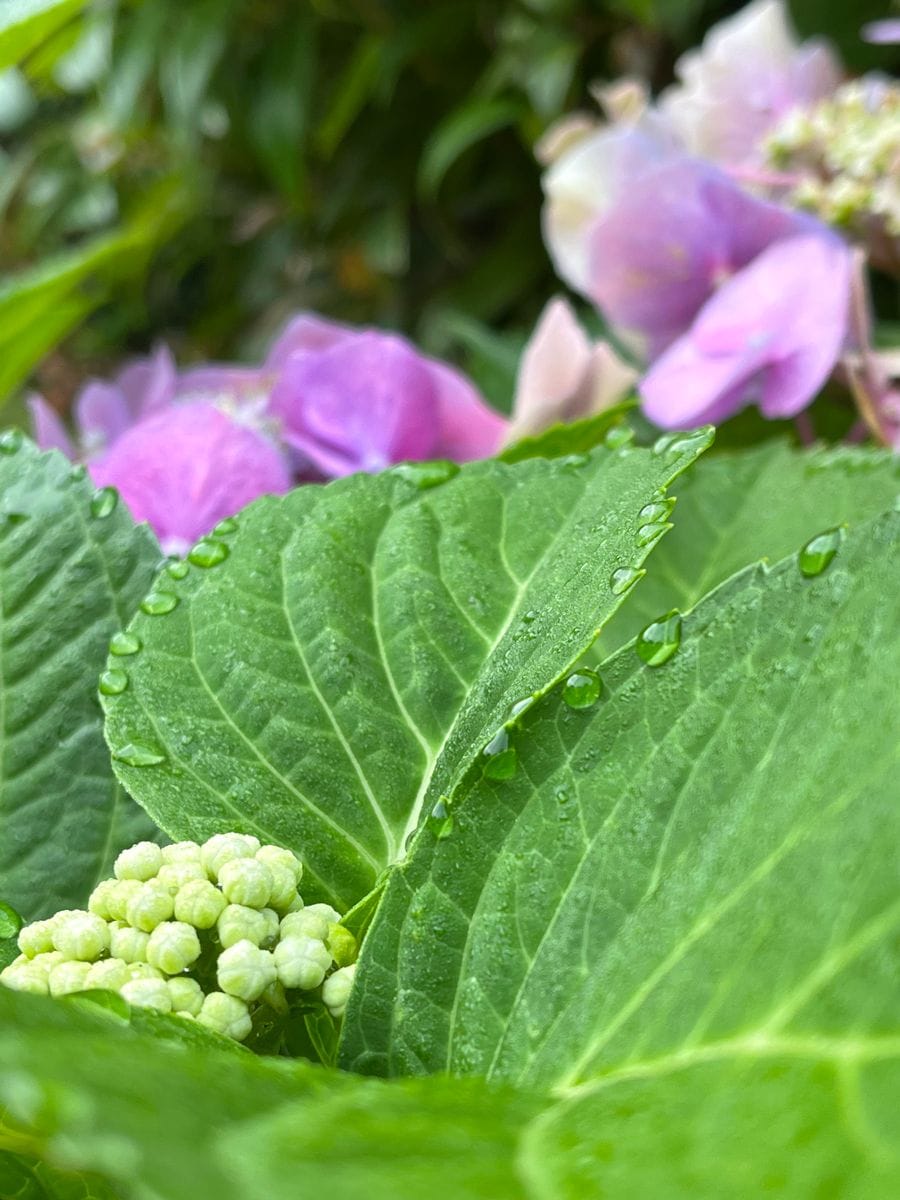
68	580
682	914
358	644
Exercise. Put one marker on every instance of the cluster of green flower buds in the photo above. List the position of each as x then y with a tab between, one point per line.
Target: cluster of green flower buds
845	155
209	933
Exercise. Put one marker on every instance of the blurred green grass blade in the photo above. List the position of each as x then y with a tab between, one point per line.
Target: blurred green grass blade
25	24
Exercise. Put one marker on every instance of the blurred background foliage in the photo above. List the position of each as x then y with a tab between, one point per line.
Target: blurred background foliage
195	170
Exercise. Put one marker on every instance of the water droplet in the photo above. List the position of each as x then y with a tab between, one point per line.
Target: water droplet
647	534
10	921
501	760
11	441
582	689
672	444
156	604
624	578
225	527
659	640
574	461
441	819
137	754
124	643
657	510
78	472
424	475
819	551
177	569
208	553
618	436
530	616
519	707
113	682
103	502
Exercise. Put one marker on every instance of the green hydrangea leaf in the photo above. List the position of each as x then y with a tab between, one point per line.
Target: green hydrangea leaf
69	579
323	672
683	910
25	24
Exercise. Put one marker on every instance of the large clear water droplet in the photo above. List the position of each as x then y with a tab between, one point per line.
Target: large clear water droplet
208	553
11	441
582	689
113	682
78	472
177	569
500	759
10	922
819	552
647	534
618	436
425	475
157	604
103	502
440	819
656	510
672	444
624	578
659	640
139	754
519	707
226	526
124	643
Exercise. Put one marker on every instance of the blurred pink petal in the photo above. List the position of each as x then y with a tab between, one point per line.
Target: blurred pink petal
307	331
562	377
49	431
183	469
882	33
749	72
467	427
148	384
769	336
101	415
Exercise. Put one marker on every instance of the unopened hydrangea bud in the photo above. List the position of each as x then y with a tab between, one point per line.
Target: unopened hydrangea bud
23	976
128	944
108	974
223	848
245	971
175	875
342	944
181	852
36	938
80	935
331	915
306	923
336	990
284	887
199	903
140	862
277	856
143	970
68	977
147	993
226	1015
246	881
118	898
173	947
46	962
238	922
149	907
186	995
302	962
100	897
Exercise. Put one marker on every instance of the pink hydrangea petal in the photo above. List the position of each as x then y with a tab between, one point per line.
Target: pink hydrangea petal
365	402
772	334
148	384
467	427
306	332
882	33
185	468
230	384
49	431
682	229
101	415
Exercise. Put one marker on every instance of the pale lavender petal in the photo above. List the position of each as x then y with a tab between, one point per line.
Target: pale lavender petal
682	230
467	427
148	384
101	415
49	431
224	382
882	33
185	468
366	402
306	332
771	335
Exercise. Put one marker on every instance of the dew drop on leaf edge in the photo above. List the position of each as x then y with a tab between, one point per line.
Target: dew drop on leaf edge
500	758
624	578
104	502
582	689
11	441
113	682
618	436
208	552
10	921
124	643
658	641
425	475
157	604
137	754
177	569
226	526
819	552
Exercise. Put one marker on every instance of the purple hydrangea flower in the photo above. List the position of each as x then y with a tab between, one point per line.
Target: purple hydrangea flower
358	400
882	33
771	336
